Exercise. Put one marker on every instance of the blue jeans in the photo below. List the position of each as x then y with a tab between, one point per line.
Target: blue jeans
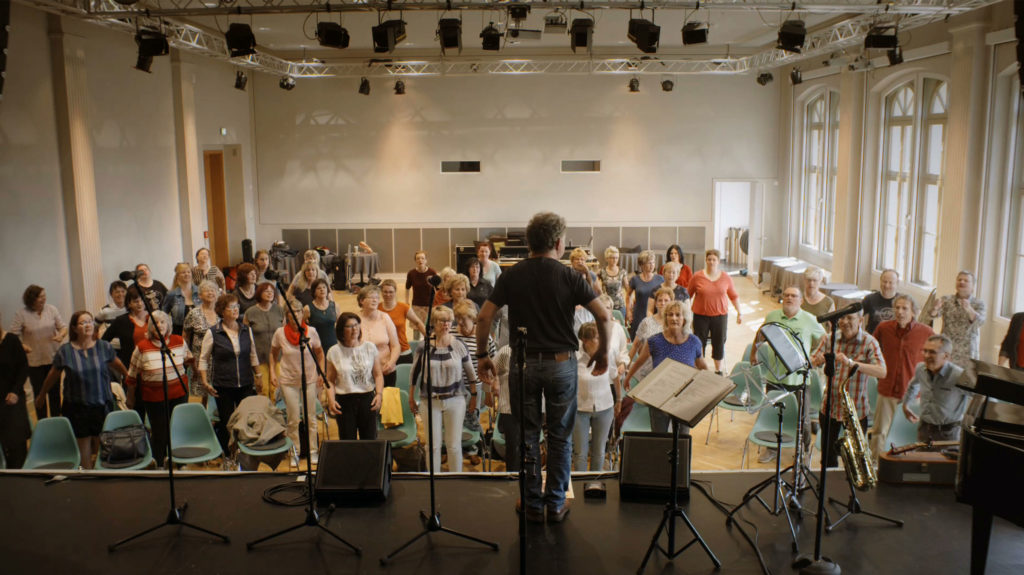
556	382
590	435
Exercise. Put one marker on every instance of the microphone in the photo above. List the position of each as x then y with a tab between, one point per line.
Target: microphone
127	276
834	315
272	275
434	281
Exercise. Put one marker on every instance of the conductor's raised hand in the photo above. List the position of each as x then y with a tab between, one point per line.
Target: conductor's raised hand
488	374
600	363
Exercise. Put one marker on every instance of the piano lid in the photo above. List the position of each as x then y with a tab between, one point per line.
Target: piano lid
995	381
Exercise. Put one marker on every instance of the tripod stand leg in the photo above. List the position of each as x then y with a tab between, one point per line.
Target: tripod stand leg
252	544
490	544
338	538
665	518
384	560
114	546
696	536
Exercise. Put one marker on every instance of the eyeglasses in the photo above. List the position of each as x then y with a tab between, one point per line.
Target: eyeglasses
234	306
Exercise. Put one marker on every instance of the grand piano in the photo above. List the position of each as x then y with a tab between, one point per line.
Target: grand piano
990	471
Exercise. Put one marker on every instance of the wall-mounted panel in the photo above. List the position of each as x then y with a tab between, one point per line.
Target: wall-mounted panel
691	239
577	236
296	239
464	236
486	233
436	244
662	238
381	242
604	237
350	238
632	237
324	237
407	243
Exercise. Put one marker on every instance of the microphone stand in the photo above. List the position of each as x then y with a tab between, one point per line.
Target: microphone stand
176	514
432	521
312	516
520	360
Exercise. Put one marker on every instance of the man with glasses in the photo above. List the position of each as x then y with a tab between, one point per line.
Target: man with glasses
942	402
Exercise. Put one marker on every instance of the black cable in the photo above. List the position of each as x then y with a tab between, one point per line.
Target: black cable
272	494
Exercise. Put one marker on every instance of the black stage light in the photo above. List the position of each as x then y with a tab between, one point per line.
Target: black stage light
364	86
387	35
491	37
695	33
449	33
332	35
240	40
518	12
241	79
895	56
667	85
287	83
765	78
399	88
151	43
791	35
881	37
555	22
581	33
634	84
796	77
645	34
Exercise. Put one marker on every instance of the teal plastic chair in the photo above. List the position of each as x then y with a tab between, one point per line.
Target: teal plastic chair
498	438
211	410
118	419
872	401
53	446
256	452
192	436
767	425
621	319
747	381
402	373
639	419
901	432
408	426
414	345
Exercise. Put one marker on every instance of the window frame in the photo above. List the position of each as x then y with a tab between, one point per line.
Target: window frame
819	171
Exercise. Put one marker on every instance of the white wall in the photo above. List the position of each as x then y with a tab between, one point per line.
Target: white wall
328	156
32	214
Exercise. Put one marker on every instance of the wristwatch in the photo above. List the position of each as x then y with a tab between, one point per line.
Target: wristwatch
481	355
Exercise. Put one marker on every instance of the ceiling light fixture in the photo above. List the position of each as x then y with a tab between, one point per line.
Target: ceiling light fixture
765	78
667	85
792	35
555	22
882	37
449	34
695	33
241	79
895	56
645	34
581	34
399	88
240	40
491	37
796	77
634	84
151	43
387	35
364	86
287	83
332	35
518	12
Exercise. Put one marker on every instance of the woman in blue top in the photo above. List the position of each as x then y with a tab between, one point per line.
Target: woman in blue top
85	363
182	298
677	342
641	287
321	313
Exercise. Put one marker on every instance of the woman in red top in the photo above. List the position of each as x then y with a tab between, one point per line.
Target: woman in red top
712	290
147	370
675	254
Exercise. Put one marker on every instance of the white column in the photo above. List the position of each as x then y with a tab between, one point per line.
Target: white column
78	179
187	147
849	209
962	193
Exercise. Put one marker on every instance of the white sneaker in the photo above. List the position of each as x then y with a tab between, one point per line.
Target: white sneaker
768	456
315	457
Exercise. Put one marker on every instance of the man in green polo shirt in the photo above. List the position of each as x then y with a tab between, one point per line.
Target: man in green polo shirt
806	326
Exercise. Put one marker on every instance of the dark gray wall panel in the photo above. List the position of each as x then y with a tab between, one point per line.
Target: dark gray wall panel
380	241
327	238
486	233
662	238
350	237
407	242
296	240
435	243
604	237
577	236
634	236
463	237
692	240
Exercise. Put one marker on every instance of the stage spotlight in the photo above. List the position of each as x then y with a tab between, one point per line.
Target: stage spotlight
555	22
765	78
399	88
241	79
449	33
332	35
518	12
151	43
791	36
634	84
796	77
895	56
667	85
581	33
881	37
364	86
645	34
287	83
695	33
240	40
491	37
387	35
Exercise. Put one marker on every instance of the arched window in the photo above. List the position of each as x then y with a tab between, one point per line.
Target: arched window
1013	276
818	182
912	167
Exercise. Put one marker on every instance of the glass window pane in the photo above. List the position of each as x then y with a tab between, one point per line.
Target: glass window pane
936	143
926	262
930	216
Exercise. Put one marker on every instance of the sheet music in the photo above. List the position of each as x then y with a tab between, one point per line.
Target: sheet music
663	383
682	391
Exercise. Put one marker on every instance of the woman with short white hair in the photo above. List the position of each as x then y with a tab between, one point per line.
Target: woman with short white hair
815	302
612	278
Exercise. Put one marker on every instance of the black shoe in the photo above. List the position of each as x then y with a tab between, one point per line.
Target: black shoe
557	515
532	515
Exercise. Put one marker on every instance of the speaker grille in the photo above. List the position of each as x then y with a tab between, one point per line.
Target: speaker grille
646	472
354	472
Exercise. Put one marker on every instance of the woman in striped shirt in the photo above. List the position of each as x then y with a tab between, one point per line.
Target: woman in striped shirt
147	369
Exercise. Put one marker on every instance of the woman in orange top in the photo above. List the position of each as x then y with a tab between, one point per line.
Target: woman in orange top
400	313
712	290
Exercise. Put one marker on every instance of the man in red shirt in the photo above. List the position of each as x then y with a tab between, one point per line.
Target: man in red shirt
902	340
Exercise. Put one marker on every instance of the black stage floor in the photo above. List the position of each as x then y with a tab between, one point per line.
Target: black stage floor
65	527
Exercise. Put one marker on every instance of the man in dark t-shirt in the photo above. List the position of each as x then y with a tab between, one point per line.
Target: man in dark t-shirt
417	281
878	305
541	294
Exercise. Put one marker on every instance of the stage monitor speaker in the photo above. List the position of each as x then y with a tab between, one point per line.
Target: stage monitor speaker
462	257
646	473
354	472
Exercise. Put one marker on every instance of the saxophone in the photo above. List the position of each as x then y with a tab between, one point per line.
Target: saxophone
853	447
